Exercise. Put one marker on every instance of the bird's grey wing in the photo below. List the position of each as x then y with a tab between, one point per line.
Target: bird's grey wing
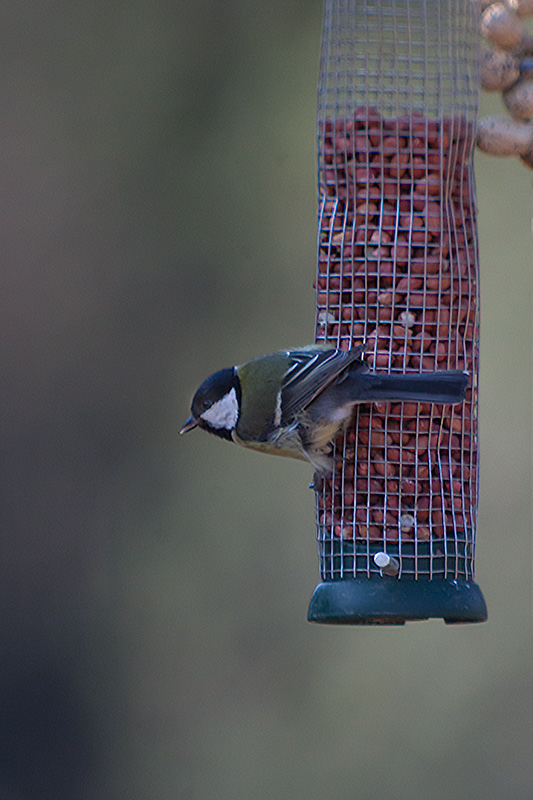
309	373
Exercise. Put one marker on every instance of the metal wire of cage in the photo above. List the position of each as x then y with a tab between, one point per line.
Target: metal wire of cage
398	269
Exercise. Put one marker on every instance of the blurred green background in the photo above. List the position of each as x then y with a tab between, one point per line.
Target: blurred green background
158	222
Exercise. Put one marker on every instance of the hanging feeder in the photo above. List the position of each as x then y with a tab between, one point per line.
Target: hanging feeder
398	271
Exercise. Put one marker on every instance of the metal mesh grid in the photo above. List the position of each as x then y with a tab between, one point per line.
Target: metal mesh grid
398	269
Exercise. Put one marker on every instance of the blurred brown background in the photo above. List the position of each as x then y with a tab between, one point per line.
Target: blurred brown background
157	223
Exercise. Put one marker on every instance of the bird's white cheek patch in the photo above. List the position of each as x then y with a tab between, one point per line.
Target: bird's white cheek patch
224	413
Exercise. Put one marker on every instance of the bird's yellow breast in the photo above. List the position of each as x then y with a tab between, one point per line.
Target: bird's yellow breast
284	446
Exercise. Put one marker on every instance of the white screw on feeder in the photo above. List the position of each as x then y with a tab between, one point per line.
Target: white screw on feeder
387	564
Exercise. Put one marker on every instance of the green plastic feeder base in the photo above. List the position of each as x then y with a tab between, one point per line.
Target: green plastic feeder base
389	601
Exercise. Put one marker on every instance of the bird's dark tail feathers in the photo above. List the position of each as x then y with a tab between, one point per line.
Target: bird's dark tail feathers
446	386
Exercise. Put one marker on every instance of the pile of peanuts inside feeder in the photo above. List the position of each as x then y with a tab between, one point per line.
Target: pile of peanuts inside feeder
397	269
507	67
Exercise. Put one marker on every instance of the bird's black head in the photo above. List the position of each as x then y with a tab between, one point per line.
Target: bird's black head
216	405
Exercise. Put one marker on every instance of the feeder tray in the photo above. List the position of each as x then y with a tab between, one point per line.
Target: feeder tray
398	270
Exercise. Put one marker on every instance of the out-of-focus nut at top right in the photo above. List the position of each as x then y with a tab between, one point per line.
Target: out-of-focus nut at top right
523	8
498	70
503	28
501	136
519	99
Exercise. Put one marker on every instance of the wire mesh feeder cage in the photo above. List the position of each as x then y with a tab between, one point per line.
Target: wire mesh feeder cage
398	270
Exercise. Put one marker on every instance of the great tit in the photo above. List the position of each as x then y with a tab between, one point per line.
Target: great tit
295	402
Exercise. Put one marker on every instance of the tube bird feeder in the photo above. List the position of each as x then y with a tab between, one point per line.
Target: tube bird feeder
398	271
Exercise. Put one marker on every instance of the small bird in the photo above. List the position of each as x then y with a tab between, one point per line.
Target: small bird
295	402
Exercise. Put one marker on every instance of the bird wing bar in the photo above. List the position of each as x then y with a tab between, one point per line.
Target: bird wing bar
309	374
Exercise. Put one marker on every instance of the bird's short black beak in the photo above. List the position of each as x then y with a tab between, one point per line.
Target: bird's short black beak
189	425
